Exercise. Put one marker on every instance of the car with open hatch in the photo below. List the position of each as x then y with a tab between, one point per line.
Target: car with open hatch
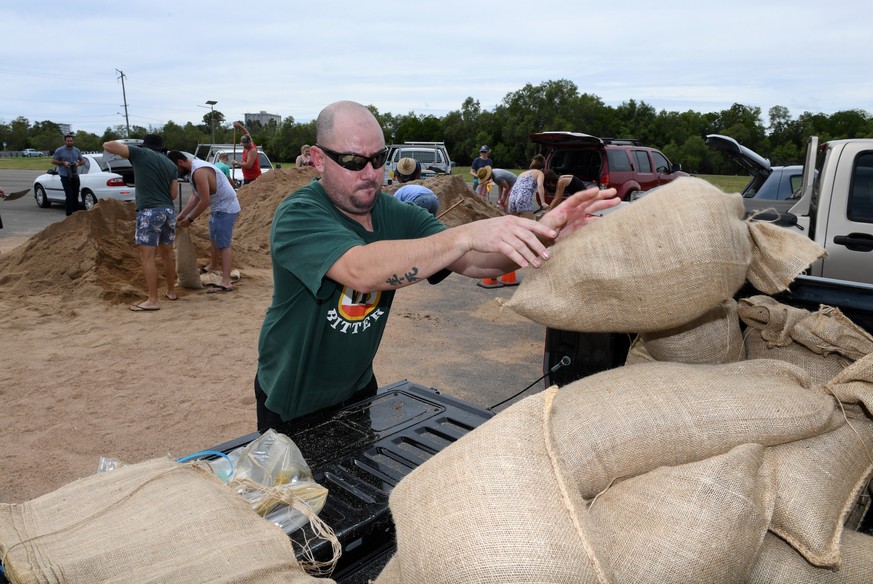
97	181
626	165
773	183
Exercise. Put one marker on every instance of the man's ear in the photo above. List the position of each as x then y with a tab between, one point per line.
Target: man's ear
317	157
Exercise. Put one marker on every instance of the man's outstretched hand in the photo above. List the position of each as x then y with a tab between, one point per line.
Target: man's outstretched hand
578	210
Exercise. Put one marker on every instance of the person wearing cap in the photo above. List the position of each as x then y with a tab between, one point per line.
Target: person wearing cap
408	170
210	188
251	164
340	248
68	159
483	160
156	189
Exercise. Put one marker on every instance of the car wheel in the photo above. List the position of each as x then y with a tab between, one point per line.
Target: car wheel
41	198
633	196
89	199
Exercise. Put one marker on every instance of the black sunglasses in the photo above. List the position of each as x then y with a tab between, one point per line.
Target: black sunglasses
354	161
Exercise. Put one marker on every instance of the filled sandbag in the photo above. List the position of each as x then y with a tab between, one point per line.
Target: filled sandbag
818	481
660	527
495	506
628	421
187	271
779	563
712	338
854	384
822	342
656	264
157	521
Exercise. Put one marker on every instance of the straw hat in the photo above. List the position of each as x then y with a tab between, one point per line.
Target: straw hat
407	166
484	173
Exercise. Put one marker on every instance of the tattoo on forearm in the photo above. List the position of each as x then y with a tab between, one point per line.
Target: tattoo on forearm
410	276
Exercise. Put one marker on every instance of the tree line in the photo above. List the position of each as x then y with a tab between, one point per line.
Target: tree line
548	106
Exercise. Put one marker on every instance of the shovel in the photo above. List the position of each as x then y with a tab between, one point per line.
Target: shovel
17	195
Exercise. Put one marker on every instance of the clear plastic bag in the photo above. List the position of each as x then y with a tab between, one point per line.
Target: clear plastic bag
272	475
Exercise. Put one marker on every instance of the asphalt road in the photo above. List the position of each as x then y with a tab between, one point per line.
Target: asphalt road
23	218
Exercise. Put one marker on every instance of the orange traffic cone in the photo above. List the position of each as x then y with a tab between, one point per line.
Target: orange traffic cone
508	279
489	283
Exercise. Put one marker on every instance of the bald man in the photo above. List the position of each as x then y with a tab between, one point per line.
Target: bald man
340	248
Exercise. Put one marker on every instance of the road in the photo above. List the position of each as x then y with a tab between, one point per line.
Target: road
22	218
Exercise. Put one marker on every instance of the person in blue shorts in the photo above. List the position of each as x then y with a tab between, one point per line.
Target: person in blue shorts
156	189
211	188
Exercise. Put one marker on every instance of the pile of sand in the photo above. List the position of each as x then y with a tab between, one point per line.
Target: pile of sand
92	254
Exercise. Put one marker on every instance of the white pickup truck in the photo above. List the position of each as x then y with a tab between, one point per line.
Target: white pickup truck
211	152
833	207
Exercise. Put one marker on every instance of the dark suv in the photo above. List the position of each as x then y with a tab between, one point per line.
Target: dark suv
625	165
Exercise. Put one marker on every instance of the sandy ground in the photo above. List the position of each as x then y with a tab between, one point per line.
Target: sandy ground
81	376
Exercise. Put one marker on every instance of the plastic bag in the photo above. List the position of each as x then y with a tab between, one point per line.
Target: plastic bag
272	475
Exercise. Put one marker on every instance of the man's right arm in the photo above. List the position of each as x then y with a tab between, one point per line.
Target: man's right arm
115	147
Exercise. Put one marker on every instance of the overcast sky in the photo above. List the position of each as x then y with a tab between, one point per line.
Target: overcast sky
293	58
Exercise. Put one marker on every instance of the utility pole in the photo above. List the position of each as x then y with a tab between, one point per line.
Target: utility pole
124	94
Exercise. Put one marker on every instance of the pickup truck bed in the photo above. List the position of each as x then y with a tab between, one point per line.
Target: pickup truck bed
360	452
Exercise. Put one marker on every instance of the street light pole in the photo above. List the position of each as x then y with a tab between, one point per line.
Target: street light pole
211	105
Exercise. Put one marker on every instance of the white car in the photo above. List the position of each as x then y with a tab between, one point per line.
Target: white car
29	152
96	179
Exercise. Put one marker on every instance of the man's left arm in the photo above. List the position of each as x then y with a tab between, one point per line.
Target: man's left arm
252	158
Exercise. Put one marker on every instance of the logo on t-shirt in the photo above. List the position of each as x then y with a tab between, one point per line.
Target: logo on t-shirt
355	311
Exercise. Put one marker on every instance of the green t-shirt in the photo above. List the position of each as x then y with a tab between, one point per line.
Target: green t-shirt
153	173
319	338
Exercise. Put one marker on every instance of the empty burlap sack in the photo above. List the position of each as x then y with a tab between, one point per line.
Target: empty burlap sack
823	342
157	522
854	385
628	421
818	483
637	352
656	264
779	563
795	252
660	527
187	270
495	506
713	337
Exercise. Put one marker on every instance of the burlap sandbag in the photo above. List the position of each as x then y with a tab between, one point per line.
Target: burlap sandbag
823	342
153	522
495	506
654	265
854	385
712	338
660	527
186	261
779	563
628	421
818	482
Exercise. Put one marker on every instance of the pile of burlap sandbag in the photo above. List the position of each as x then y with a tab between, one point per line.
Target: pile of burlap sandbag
158	521
733	446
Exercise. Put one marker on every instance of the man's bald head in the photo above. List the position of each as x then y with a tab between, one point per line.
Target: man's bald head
339	117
